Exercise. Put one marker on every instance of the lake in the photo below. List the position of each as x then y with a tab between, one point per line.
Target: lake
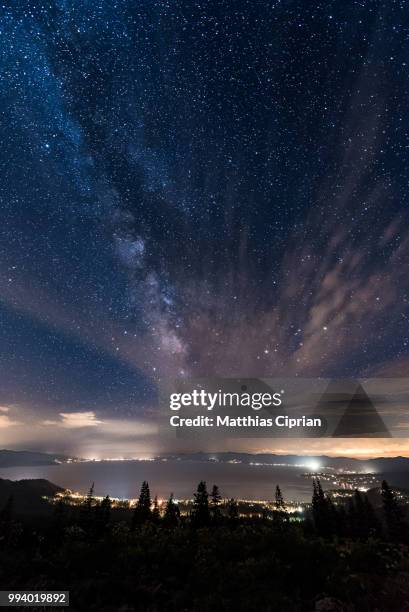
123	478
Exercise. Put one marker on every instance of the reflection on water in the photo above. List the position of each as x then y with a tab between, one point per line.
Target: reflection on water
123	478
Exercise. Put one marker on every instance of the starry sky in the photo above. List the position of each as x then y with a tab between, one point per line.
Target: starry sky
214	188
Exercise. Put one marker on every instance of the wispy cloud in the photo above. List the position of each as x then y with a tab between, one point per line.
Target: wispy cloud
73	420
6	420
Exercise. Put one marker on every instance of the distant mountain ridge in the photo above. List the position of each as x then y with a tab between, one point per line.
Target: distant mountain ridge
379	464
11	458
28	495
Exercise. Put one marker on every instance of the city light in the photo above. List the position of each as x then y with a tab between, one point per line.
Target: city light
314	465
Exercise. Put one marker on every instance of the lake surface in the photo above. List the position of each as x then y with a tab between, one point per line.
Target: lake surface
123	478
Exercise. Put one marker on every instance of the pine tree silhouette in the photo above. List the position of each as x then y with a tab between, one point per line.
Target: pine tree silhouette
142	511
172	514
359	528
396	526
86	519
201	513
280	513
103	515
323	510
279	501
89	500
155	511
361	518
215	501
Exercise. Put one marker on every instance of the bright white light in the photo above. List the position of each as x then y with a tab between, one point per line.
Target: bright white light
313	465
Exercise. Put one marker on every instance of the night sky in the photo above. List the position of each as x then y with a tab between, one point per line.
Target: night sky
195	189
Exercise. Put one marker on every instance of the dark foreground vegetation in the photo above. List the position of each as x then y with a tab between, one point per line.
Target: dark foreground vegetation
349	557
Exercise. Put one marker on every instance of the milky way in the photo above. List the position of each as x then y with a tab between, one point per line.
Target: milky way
216	188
